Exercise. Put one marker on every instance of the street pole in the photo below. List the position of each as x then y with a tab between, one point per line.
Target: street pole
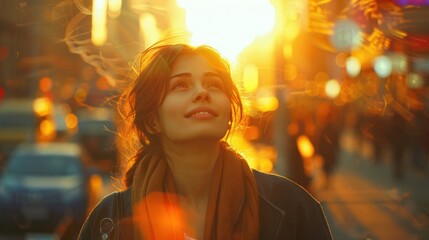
281	116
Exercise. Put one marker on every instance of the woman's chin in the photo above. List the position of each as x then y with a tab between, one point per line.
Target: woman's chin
200	139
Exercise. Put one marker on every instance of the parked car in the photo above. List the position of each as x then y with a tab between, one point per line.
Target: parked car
44	186
97	134
18	123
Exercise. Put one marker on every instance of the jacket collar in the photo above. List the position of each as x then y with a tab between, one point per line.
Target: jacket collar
270	219
270	216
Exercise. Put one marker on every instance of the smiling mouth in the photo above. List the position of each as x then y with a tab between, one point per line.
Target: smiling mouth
201	113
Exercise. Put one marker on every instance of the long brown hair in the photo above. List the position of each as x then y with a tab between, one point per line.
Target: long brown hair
139	103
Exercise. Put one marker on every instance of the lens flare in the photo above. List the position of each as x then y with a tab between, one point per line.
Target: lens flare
250	78
353	66
99	21
332	88
227	25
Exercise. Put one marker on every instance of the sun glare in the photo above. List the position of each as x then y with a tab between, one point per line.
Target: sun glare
227	25
99	19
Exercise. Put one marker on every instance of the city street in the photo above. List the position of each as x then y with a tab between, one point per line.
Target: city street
333	95
365	202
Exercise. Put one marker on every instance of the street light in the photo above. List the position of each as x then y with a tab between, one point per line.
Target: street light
382	66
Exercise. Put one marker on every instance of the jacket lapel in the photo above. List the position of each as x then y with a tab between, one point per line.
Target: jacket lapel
270	219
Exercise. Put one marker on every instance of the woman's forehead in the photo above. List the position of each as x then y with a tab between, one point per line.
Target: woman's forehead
191	63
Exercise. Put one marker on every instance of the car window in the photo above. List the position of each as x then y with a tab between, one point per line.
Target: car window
96	127
44	165
17	120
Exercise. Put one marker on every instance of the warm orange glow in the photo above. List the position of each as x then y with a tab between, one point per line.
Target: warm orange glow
332	88
45	84
66	91
99	22
228	25
267	104
260	157
287	51
340	59
266	165
252	133
149	30
353	66
250	78
292	30
245	148
321	77
80	95
166	218
96	182
266	101
290	72
47	128
114	8
312	88
293	129
267	154
71	121
102	84
42	106
305	146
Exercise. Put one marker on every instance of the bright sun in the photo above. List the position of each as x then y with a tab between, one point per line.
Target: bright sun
227	25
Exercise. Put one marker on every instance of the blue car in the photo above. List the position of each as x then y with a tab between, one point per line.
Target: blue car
44	187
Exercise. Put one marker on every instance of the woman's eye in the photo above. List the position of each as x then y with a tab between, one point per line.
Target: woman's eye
215	84
179	85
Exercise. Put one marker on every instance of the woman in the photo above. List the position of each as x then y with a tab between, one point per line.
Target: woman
184	182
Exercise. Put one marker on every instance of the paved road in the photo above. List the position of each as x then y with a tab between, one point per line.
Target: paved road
364	201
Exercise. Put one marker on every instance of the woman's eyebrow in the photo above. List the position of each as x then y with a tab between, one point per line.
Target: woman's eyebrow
185	74
211	74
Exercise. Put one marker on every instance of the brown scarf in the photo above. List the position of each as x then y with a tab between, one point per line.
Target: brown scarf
232	210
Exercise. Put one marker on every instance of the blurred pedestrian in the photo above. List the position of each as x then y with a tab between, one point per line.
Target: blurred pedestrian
397	136
298	173
184	181
417	132
328	138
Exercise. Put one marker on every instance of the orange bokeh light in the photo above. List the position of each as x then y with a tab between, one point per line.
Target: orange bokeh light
71	121
305	146
45	84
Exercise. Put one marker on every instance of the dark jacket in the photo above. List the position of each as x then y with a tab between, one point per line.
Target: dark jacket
286	211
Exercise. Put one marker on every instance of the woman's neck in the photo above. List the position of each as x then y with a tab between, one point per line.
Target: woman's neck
192	165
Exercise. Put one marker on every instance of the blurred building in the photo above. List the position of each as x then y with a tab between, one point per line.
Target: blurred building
370	56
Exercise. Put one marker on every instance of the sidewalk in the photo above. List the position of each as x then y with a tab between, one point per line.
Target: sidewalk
365	202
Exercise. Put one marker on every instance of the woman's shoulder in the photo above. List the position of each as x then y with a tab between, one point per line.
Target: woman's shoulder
299	212
113	206
280	189
107	202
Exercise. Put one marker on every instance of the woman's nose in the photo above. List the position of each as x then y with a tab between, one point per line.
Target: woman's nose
201	94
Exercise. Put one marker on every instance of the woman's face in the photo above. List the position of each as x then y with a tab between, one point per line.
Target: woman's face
196	106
